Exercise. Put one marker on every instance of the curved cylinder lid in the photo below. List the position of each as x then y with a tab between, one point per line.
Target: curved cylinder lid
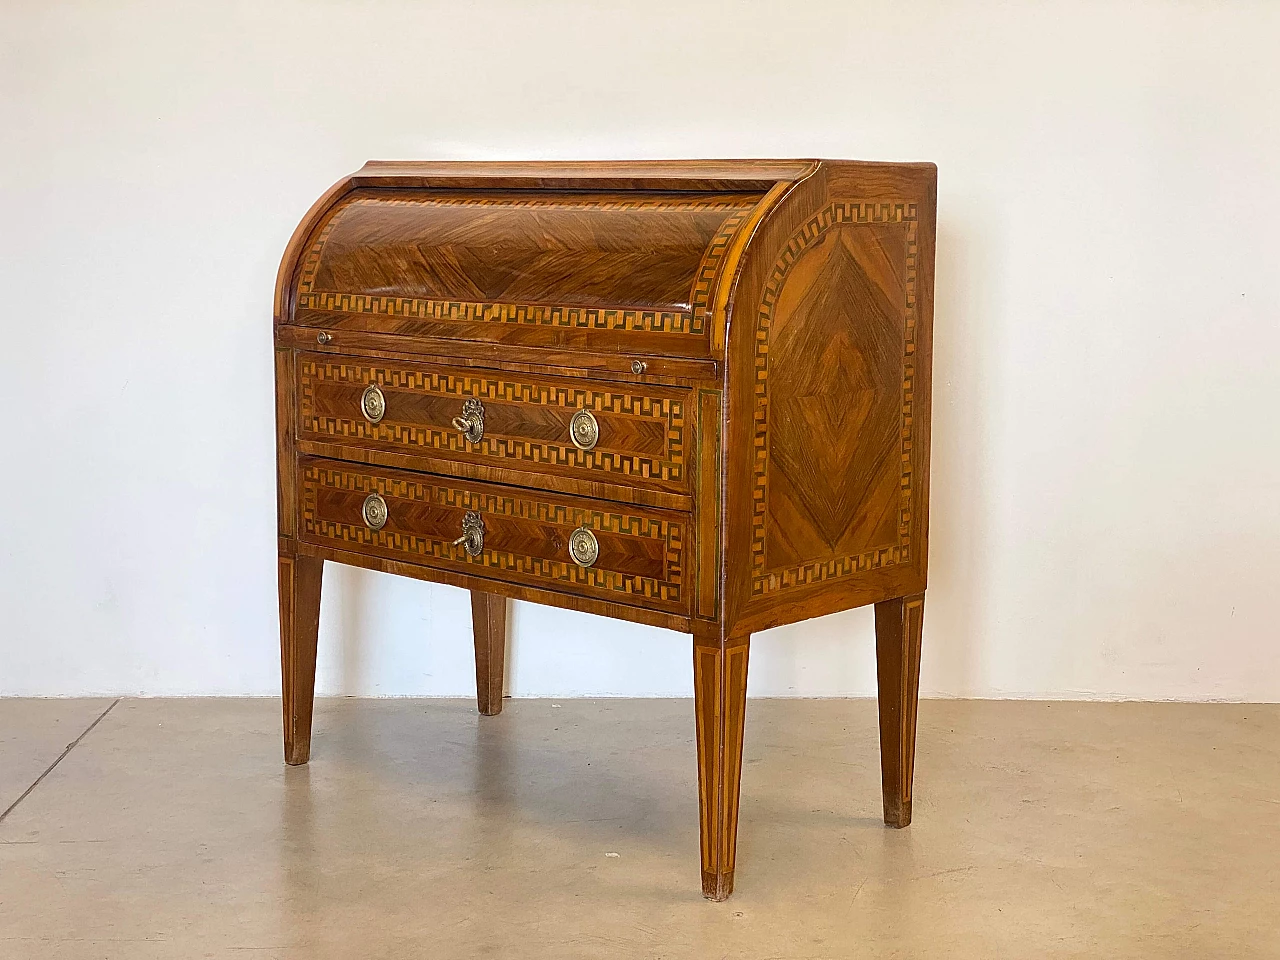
649	257
603	256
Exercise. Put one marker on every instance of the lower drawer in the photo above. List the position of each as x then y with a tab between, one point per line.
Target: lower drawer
614	552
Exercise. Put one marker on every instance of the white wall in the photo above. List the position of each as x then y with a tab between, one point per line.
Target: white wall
1106	513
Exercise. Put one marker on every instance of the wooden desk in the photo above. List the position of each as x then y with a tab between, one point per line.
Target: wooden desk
688	394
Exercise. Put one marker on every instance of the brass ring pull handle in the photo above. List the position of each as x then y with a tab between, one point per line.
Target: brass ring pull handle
583	547
583	430
472	539
471	423
374	512
373	404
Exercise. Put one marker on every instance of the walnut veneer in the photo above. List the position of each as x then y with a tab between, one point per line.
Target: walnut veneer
690	394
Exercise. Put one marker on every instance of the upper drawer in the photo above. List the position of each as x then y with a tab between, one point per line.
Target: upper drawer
631	435
634	270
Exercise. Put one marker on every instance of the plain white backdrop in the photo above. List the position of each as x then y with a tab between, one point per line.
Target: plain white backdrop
1106	464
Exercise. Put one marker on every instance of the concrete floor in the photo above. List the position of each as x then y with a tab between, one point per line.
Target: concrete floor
569	829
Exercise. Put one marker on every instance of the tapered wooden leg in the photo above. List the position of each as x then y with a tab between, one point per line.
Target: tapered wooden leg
898	626
299	630
720	699
489	626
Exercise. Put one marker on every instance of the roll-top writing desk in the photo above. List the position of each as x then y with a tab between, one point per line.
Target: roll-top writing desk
689	394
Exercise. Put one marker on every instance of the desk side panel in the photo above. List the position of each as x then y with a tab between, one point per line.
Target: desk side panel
827	379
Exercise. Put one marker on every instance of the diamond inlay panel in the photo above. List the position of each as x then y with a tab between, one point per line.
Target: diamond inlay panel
832	474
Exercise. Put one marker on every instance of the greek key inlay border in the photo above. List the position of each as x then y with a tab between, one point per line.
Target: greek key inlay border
709	268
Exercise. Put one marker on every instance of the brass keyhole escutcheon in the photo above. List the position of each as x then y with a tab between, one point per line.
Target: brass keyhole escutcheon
471	423
472	539
583	547
373	404
584	431
374	512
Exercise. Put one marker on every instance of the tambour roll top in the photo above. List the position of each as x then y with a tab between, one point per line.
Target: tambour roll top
636	260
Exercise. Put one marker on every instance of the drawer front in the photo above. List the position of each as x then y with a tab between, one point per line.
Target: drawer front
642	431
640	552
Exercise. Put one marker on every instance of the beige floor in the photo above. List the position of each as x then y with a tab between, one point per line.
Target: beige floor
568	829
